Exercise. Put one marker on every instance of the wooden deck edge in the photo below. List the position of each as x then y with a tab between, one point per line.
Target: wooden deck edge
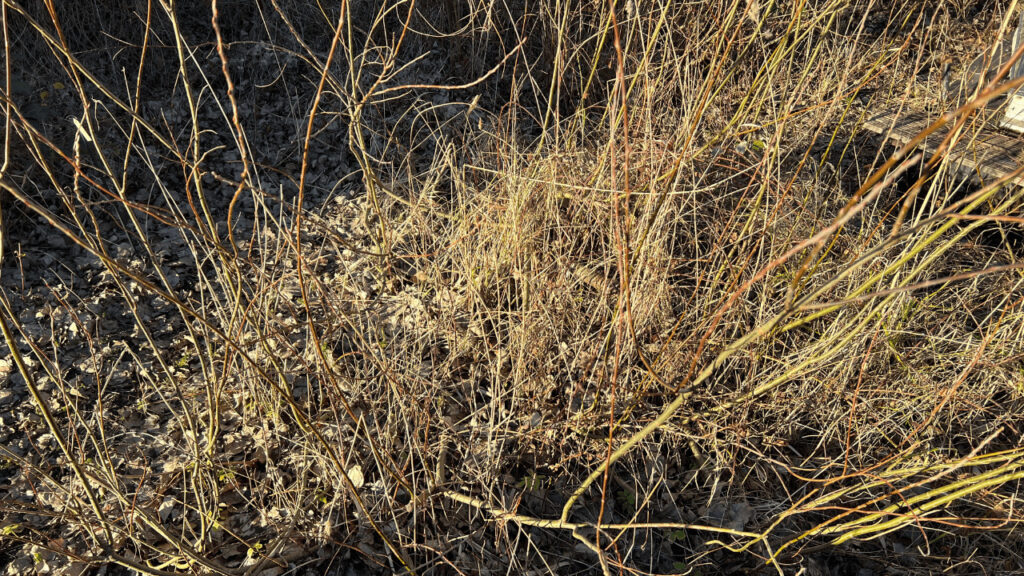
983	149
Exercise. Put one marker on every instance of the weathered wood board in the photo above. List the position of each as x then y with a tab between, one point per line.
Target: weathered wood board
983	148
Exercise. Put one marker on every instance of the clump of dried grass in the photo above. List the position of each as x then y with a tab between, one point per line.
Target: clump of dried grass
636	284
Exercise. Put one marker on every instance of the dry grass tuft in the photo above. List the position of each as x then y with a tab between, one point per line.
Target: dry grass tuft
448	288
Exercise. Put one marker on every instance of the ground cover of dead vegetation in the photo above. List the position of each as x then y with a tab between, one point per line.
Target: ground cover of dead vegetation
559	287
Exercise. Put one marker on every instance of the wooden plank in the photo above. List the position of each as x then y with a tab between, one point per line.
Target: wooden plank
984	149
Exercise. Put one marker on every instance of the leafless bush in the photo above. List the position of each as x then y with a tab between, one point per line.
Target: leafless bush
454	287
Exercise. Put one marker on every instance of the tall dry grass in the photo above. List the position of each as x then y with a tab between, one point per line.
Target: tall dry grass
451	287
